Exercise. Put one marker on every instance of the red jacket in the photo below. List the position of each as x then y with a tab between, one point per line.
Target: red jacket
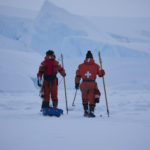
88	70
57	67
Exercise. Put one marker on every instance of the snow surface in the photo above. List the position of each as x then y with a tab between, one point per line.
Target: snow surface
125	49
127	128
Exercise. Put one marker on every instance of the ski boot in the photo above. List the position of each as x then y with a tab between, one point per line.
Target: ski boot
44	105
91	114
55	103
86	113
44	108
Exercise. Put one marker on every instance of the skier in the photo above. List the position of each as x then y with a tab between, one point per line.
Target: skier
48	71
88	71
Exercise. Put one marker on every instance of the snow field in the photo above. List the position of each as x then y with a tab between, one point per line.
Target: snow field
124	43
24	127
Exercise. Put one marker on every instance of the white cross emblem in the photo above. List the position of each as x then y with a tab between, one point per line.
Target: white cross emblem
88	74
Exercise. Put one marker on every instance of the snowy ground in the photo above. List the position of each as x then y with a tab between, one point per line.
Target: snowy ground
22	126
128	127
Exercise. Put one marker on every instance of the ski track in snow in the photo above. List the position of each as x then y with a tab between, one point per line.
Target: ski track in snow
24	127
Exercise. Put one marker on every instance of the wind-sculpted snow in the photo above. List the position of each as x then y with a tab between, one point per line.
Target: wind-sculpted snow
55	28
14	27
52	36
16	31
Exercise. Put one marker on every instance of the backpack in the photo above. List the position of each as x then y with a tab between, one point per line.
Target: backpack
50	70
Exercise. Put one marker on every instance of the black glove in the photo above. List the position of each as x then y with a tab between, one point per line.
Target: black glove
64	75
76	86
102	73
41	94
96	100
38	83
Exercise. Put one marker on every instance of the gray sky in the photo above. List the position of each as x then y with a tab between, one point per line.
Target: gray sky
127	8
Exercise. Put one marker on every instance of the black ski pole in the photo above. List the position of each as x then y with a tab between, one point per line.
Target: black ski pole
60	82
74	98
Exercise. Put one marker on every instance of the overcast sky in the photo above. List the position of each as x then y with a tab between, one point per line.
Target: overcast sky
127	8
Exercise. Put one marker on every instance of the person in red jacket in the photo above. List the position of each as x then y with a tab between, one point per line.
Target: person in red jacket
88	71
48	71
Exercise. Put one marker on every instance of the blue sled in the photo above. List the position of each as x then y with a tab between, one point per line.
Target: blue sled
52	112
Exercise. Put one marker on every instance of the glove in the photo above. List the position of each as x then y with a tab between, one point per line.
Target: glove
41	94
96	100
64	75
102	73
39	84
76	86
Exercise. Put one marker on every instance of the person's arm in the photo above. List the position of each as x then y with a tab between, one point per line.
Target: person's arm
61	70
100	71
77	79
41	70
40	74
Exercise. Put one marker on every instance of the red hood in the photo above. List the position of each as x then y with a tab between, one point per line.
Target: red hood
89	61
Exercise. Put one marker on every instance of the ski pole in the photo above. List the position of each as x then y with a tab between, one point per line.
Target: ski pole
100	61
64	85
60	81
74	98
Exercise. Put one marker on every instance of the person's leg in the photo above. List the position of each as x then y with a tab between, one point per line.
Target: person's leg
84	93
91	98
46	96
54	92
